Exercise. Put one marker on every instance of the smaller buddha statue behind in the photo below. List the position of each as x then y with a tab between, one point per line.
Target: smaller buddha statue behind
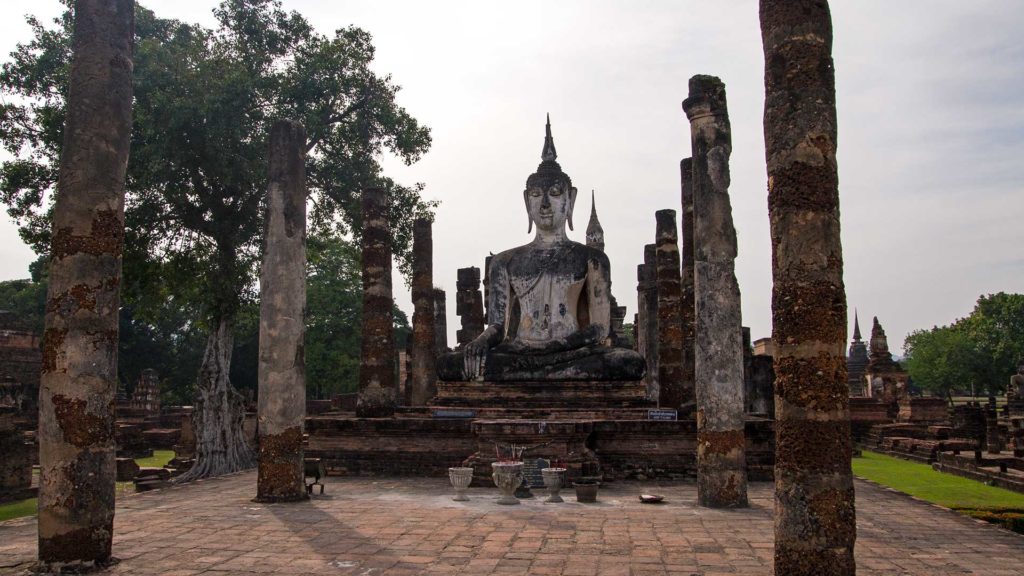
549	301
1016	388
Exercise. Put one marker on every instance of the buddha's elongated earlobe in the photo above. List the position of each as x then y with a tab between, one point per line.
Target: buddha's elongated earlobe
572	204
529	219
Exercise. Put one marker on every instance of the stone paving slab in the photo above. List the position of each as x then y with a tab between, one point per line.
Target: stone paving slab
370	526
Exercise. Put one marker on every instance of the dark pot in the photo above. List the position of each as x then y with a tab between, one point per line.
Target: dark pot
586	491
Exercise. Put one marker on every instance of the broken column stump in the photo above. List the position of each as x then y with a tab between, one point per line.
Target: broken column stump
78	382
815	521
672	392
718	350
424	371
469	305
282	365
377	386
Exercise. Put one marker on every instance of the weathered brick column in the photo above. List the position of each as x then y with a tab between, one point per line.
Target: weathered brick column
469	305
672	390
815	523
78	382
687	306
993	437
640	321
282	361
440	321
718	364
648	277
377	386
424	372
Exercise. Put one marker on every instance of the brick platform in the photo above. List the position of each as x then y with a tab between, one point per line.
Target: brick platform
415	445
411	526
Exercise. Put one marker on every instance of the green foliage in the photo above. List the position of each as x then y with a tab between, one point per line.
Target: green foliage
939	359
25	301
944	489
1009	519
334	316
204	102
628	333
977	352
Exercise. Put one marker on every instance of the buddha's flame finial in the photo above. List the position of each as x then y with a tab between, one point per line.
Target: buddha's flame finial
549	144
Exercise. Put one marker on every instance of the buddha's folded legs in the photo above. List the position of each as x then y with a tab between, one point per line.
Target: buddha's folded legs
597	363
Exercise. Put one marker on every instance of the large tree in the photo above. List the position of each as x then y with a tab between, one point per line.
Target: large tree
979	352
205	99
334	315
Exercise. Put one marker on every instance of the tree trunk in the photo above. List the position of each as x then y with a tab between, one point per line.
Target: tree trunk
219	413
815	521
78	380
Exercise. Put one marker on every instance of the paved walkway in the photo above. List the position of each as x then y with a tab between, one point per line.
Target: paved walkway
371	526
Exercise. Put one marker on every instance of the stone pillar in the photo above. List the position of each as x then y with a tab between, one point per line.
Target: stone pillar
377	385
440	322
424	372
672	392
403	376
993	437
282	361
718	350
469	305
647	275
79	369
640	320
636	331
815	519
146	395
687	306
748	362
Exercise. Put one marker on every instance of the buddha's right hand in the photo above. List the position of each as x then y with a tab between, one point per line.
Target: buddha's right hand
473	357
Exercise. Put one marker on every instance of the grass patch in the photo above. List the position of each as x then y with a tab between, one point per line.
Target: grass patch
944	489
159	459
18	509
28	507
970	497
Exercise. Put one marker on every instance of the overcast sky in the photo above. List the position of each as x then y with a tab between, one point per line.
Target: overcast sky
931	133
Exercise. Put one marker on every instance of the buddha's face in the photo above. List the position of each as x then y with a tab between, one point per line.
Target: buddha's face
550	207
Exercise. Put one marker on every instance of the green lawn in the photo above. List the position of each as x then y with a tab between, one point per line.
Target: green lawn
971	497
28	507
158	460
927	484
17	509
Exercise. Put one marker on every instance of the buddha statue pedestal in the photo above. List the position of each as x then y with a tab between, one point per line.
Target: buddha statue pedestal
578	395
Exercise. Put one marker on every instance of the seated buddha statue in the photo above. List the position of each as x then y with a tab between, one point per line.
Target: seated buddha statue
549	301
